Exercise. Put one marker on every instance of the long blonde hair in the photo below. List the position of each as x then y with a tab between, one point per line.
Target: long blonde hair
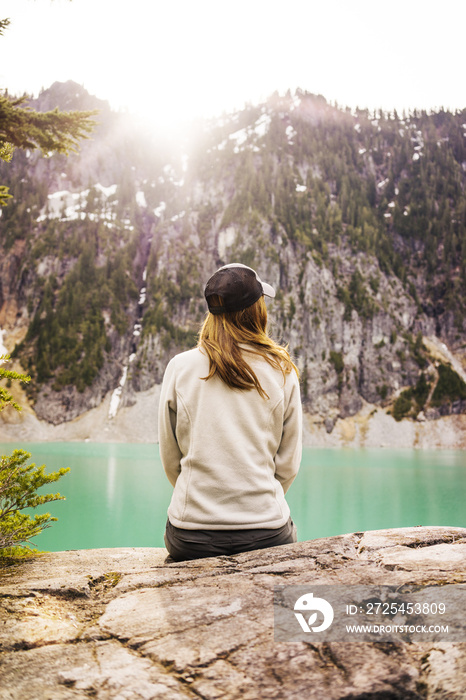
221	335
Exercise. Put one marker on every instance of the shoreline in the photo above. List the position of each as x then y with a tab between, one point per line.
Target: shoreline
370	428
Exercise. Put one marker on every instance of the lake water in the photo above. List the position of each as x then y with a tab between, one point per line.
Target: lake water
117	494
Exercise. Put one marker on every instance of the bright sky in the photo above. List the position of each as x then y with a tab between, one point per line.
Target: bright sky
174	59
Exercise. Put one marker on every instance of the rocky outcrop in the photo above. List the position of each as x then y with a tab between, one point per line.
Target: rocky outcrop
125	623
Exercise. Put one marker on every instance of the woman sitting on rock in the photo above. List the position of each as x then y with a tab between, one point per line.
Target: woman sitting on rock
230	422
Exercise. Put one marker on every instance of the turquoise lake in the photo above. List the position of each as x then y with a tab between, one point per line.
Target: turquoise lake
117	494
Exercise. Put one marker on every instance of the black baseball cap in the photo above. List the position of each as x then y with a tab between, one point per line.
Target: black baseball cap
239	286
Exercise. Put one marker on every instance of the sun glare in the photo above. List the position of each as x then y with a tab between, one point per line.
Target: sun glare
172	60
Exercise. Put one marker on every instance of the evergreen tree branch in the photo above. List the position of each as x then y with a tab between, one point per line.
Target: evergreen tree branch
51	132
18	485
3	25
6	399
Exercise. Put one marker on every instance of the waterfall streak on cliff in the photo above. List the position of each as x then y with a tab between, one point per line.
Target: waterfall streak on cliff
116	396
137	328
3	350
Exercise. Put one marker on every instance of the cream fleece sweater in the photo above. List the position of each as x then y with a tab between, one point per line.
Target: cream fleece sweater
230	454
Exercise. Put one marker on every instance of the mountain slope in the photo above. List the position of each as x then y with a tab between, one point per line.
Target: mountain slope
358	220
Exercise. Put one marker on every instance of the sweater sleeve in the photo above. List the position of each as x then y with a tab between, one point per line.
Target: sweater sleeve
170	452
288	457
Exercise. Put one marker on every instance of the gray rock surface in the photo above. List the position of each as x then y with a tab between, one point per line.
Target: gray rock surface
125	624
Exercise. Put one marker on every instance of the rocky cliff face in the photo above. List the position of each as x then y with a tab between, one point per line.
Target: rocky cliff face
358	221
126	623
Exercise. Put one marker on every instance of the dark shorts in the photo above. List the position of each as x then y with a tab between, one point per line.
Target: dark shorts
195	544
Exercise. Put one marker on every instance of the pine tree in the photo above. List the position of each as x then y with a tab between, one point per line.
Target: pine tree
19	483
6	399
51	132
18	486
